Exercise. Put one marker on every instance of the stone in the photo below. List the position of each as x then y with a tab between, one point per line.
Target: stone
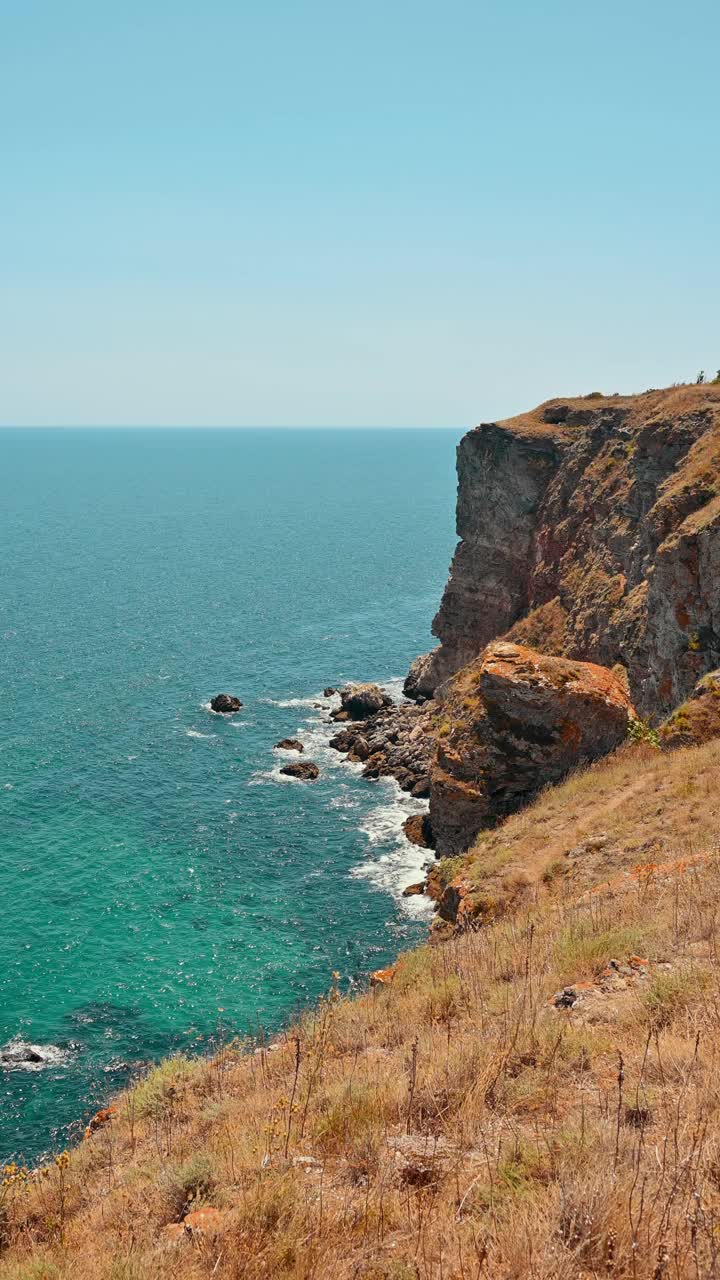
329	692
289	744
513	721
418	830
396	741
304	771
362	700
419	681
414	890
19	1053
225	704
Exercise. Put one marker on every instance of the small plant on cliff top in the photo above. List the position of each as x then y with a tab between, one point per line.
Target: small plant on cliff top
641	731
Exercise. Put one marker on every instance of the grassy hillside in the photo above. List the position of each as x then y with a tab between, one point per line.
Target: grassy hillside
536	1097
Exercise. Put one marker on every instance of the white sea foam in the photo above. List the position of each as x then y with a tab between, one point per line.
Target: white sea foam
316	700
194	733
21	1055
401	862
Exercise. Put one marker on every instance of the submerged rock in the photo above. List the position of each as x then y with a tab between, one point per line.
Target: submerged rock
513	721
289	744
329	692
304	771
225	703
21	1055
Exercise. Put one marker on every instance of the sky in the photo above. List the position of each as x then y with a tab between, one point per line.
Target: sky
386	213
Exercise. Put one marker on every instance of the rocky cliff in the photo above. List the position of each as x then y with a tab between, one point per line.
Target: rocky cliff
590	528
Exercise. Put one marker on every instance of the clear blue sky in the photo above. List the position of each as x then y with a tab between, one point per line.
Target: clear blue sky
329	213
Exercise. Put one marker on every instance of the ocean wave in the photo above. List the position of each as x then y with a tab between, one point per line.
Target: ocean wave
316	700
194	733
262	777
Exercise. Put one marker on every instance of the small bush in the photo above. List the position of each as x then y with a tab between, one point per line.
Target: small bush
189	1185
670	994
156	1096
641	731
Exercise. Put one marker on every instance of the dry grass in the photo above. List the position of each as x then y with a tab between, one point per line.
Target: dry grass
638	807
456	1124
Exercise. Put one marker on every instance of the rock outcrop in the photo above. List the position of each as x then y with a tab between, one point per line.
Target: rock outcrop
591	528
225	704
289	744
698	719
358	701
304	771
418	830
513	721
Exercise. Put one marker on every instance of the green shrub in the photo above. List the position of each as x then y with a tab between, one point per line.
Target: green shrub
641	731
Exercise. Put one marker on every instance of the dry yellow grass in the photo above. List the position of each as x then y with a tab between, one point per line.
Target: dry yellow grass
457	1123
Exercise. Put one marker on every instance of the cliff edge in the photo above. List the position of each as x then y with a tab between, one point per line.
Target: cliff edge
590	528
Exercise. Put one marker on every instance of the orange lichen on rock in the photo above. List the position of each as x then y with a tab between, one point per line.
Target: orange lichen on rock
99	1120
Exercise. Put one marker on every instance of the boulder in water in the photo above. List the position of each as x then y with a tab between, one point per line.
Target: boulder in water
304	771
289	744
359	701
20	1055
225	704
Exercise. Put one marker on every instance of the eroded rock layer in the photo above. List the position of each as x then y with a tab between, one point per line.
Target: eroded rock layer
513	721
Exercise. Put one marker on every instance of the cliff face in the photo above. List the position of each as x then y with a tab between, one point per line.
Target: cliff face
590	528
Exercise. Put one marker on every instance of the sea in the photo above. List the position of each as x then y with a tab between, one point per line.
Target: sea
164	886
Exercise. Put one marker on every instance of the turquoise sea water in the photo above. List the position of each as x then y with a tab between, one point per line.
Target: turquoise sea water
160	881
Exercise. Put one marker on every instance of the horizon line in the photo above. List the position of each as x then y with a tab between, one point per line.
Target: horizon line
216	426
